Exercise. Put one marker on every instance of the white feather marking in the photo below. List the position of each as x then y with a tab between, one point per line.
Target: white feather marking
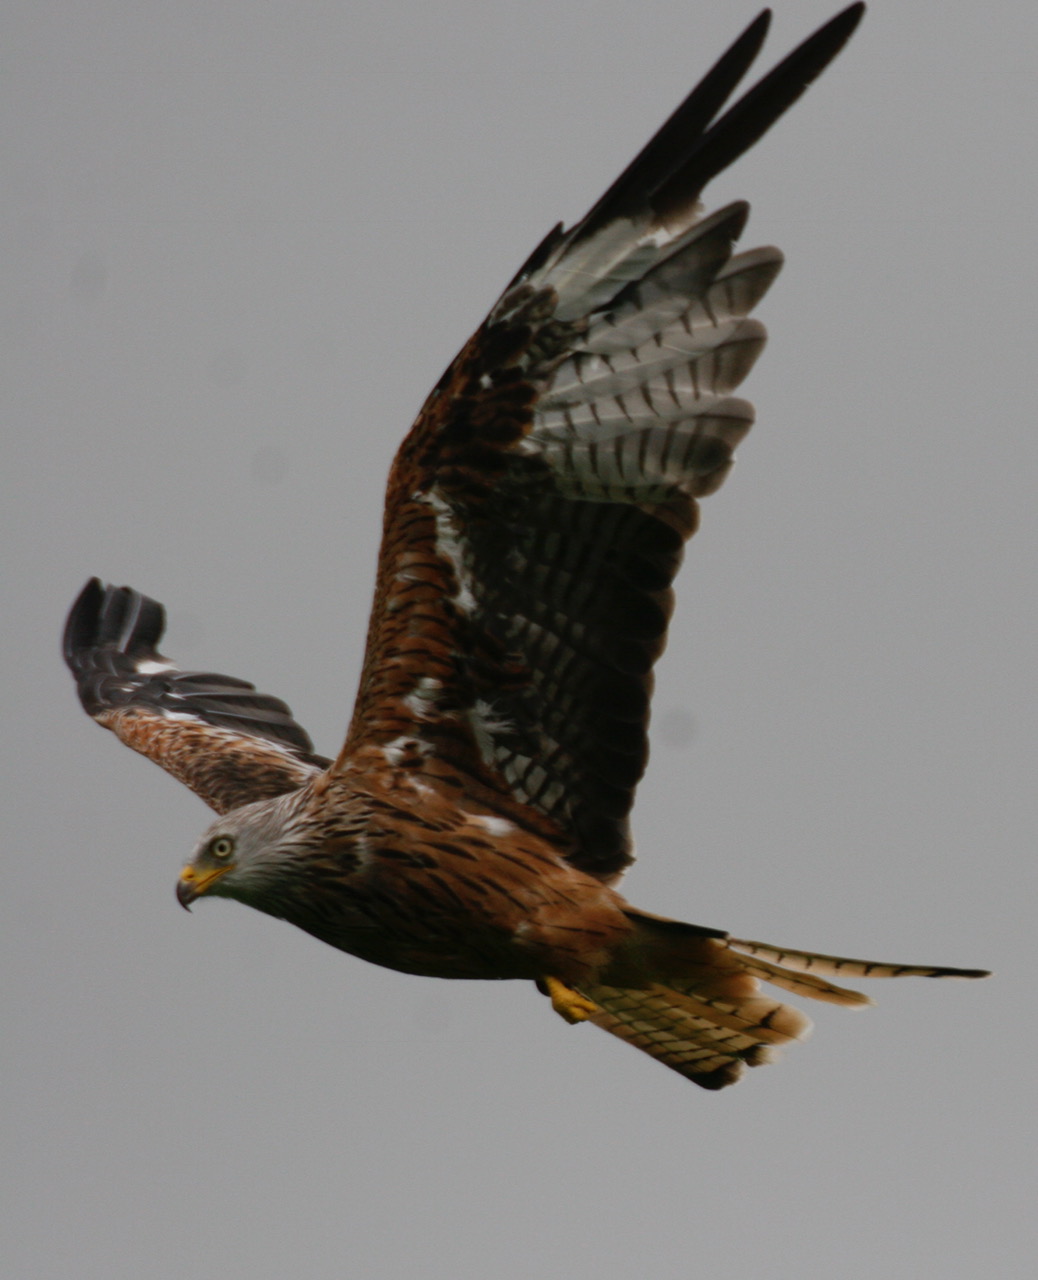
361	846
491	720
397	751
450	546
421	701
486	722
494	826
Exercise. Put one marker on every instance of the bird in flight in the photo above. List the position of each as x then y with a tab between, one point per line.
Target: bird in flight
475	822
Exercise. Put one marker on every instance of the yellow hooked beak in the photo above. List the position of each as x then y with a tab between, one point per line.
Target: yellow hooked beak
194	883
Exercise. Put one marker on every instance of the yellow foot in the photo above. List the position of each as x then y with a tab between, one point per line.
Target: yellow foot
567	1003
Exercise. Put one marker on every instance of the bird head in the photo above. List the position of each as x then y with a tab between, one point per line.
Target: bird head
238	854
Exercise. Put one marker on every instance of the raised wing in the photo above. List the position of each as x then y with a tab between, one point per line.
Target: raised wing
536	513
216	734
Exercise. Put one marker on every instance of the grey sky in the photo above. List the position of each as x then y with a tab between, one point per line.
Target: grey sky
240	243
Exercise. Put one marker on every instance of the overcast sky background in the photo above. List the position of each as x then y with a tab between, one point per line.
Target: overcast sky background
240	243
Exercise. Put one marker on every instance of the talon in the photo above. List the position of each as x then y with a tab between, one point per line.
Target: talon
566	1002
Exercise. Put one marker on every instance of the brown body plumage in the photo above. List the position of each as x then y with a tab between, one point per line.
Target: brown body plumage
476	819
426	887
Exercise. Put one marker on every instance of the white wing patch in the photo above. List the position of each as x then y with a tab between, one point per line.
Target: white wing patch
492	825
451	547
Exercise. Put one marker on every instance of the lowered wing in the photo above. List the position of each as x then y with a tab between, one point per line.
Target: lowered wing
216	734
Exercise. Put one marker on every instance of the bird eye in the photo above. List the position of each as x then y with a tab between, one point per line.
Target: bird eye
221	847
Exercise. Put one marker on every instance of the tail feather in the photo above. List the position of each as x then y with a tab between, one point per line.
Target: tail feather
804	984
706	1041
699	1009
815	962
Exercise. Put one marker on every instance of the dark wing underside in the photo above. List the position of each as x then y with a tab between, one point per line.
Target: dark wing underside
228	743
536	514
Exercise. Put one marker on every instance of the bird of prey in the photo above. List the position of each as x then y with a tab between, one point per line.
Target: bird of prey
475	822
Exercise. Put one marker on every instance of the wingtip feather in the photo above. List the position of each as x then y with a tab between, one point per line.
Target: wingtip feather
81	623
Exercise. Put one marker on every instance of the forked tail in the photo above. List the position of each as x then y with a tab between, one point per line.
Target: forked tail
703	1013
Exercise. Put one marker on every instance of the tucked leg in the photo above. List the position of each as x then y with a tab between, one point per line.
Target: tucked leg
566	1002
